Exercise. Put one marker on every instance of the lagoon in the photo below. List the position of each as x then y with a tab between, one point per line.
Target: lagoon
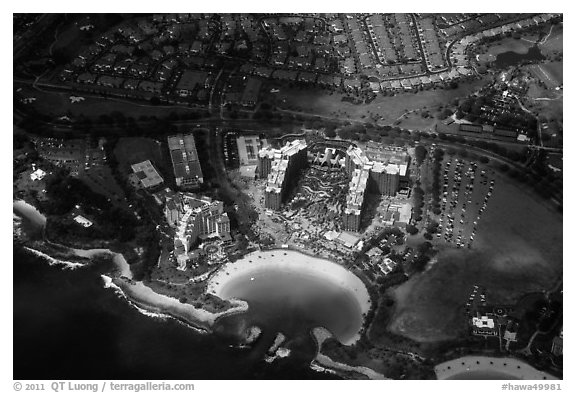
291	292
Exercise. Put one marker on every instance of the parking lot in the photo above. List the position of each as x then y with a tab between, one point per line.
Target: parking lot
466	190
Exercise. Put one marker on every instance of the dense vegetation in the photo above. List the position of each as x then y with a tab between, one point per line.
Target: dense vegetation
65	193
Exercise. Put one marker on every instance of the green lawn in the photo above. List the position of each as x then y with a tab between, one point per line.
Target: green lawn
555	70
129	151
554	43
551	74
58	104
318	102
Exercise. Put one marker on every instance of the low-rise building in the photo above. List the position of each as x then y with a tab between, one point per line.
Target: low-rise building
484	325
147	175
86	223
187	169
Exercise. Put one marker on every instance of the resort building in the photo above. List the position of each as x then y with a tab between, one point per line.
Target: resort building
265	158
248	148
382	170
194	218
187	169
148	177
281	166
330	158
355	199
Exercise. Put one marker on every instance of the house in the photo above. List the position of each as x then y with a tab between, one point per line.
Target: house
340	39
352	84
131	84
307	77
151	87
110	81
86	77
385	85
406	84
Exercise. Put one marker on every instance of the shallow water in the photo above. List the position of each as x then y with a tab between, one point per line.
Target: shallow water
511	58
294	303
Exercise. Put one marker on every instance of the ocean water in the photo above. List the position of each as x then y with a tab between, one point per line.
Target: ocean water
68	326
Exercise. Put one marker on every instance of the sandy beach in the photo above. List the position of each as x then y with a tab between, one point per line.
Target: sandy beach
293	261
30	212
117	258
321	334
515	368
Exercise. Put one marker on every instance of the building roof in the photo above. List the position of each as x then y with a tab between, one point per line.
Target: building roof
483	322
281	158
83	221
347	239
184	157
355	197
471	127
248	147
147	174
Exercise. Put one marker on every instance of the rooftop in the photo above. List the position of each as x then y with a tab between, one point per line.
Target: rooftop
184	157
147	174
355	197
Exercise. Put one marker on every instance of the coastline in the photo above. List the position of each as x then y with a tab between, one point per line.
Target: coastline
54	261
117	258
28	211
137	293
324	363
145	297
297	262
512	367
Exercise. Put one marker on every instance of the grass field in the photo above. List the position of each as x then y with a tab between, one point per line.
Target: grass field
518	249
101	180
554	43
58	104
389	108
129	151
414	121
551	74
